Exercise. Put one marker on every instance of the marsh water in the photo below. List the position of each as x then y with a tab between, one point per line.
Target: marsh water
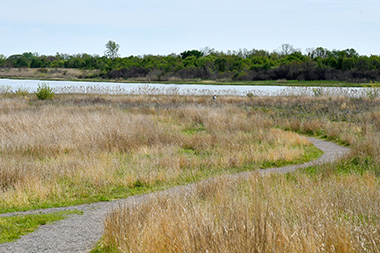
12	85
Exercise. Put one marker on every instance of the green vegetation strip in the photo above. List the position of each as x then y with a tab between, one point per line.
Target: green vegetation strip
11	228
197	66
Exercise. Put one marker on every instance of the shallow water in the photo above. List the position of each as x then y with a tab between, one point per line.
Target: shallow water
10	85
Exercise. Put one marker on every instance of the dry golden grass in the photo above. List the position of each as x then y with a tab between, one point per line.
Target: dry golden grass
257	214
50	73
333	208
80	147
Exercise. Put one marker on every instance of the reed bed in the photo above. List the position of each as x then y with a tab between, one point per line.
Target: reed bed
195	90
220	91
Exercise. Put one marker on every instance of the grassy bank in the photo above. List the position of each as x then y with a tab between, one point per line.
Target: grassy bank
85	148
48	73
331	208
55	74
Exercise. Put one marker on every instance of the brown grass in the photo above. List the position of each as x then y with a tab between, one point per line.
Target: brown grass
333	208
85	148
257	214
50	73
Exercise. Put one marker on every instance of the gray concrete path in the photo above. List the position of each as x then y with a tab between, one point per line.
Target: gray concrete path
79	233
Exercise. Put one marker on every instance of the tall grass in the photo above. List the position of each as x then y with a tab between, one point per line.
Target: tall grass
332	208
82	148
258	214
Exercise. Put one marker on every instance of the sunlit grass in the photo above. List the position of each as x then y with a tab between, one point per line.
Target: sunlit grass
281	213
330	208
81	148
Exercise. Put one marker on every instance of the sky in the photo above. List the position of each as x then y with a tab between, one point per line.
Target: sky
163	27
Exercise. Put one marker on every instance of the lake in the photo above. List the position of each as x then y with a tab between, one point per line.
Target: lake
12	85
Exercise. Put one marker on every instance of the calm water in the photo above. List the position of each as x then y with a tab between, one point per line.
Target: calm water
171	89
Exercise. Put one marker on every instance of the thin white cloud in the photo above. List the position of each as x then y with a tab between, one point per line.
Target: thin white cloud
162	27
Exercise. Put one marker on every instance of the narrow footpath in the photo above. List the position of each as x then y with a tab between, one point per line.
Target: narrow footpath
79	233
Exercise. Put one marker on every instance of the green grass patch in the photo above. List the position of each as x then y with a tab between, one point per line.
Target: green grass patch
11	228
194	129
355	165
100	248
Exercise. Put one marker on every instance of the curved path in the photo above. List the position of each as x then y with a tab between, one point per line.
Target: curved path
79	233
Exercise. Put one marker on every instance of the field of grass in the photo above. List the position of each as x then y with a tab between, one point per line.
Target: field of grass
330	208
280	213
85	148
47	73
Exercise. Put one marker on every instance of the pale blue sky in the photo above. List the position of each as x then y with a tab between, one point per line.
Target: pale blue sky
169	26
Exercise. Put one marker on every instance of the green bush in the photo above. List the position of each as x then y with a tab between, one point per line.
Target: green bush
250	95
44	92
318	92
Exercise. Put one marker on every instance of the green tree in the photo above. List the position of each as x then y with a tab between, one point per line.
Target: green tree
2	60
190	53
17	61
220	64
348	63
112	49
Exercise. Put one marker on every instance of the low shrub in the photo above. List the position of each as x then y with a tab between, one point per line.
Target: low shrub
44	92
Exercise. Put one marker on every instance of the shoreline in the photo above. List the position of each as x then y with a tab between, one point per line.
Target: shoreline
78	75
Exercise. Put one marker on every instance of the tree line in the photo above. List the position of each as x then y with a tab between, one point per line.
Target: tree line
243	65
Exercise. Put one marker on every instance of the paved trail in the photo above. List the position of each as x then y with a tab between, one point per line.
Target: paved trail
79	233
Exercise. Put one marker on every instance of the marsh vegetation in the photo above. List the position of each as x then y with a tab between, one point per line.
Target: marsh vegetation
331	208
85	148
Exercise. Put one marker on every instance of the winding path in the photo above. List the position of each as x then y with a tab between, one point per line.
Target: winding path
79	233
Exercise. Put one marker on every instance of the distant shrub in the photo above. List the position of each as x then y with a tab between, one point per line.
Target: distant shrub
44	92
250	95
318	92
